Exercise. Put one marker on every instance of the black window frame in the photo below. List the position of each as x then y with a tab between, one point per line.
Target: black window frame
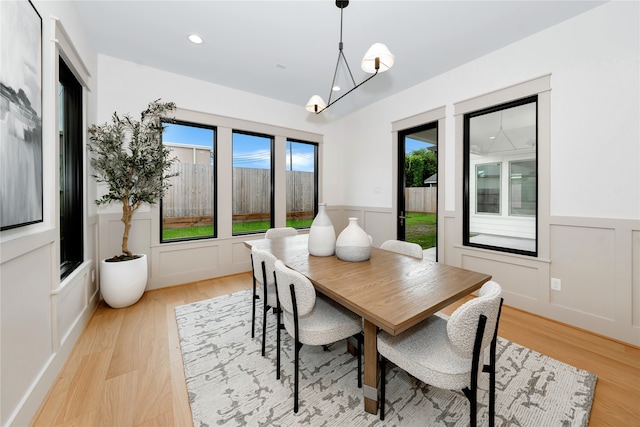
71	172
466	178
215	183
316	174
272	162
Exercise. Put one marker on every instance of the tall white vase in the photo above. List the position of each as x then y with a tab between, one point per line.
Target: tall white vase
353	243
322	235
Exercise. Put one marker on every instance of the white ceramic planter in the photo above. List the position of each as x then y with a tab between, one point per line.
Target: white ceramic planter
123	283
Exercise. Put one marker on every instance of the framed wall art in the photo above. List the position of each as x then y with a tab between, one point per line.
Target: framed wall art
20	114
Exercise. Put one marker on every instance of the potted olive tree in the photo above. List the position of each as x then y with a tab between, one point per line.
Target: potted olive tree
129	157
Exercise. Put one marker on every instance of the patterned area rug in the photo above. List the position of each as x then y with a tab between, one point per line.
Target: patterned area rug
230	383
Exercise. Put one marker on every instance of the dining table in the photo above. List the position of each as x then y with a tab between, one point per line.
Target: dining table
390	291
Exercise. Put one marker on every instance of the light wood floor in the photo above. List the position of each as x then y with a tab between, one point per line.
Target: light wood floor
126	368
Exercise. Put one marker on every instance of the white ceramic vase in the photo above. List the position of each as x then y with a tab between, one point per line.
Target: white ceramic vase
322	235
353	243
123	283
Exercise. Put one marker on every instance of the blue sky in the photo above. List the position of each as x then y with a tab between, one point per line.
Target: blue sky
413	144
252	151
249	151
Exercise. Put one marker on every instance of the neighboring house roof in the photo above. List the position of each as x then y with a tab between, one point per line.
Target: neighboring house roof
433	179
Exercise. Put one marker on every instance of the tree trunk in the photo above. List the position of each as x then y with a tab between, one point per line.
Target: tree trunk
127	213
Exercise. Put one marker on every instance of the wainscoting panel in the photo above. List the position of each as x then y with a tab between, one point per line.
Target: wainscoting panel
241	255
583	259
71	303
26	338
596	259
380	225
515	278
188	259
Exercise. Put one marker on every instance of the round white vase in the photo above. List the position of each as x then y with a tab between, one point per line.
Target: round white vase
322	235
353	244
123	283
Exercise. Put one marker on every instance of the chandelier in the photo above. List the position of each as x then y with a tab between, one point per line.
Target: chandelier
377	59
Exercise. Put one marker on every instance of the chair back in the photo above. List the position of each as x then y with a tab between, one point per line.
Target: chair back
274	233
259	256
463	323
305	292
402	247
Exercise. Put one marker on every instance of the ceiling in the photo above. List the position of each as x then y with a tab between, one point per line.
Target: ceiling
287	50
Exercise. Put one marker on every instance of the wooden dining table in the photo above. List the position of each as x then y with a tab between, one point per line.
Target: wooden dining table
390	291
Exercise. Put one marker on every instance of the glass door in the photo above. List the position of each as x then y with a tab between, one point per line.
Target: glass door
418	186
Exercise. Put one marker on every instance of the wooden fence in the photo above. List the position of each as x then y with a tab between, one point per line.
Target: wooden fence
421	199
191	193
190	198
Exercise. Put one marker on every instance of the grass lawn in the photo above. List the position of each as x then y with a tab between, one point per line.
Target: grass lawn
421	228
238	228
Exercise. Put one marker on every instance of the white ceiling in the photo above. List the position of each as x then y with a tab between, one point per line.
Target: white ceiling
287	50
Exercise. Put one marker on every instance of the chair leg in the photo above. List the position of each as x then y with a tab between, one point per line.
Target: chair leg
296	367
383	381
359	338
473	416
265	307
297	346
492	396
264	327
492	371
253	303
471	392
278	346
279	327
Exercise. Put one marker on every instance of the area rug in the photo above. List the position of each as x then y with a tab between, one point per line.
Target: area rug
231	384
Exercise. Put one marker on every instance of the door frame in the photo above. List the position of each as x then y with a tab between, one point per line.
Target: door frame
401	158
397	127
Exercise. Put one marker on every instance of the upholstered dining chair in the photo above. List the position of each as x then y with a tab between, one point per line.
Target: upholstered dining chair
449	354
311	319
402	247
263	275
273	233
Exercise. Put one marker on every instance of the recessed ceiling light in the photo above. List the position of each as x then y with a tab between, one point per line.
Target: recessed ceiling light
335	88
194	38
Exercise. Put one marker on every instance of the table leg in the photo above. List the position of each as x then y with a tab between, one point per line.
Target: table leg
370	387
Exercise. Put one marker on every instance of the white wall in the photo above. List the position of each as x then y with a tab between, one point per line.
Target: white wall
593	222
593	244
593	63
593	59
41	317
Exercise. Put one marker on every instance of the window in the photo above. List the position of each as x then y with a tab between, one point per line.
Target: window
302	183
488	188
252	182
500	152
71	167
522	188
188	209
